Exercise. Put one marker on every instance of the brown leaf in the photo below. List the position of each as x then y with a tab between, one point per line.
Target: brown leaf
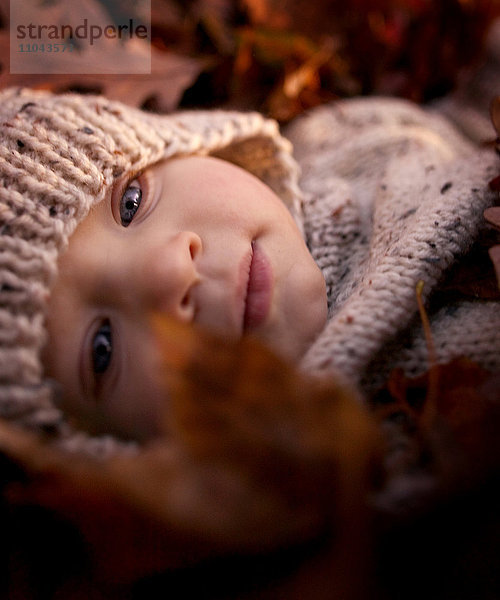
240	402
255	459
457	424
215	17
170	76
293	67
301	88
160	90
402	47
298	15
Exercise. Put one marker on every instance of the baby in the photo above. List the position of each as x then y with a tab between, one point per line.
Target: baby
109	214
197	239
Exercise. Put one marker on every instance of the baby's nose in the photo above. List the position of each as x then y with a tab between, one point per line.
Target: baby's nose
170	275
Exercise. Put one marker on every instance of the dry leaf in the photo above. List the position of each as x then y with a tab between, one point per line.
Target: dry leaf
161	90
255	460
473	276
414	49
410	48
293	67
456	426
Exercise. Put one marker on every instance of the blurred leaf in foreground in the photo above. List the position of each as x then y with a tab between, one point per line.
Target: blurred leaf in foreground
255	460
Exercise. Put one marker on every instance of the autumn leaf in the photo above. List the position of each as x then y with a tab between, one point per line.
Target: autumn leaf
454	430
249	54
473	276
171	74
255	459
407	48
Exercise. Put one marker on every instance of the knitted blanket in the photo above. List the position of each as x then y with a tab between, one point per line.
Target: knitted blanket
394	196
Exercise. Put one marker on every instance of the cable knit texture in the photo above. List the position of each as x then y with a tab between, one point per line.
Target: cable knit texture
59	155
393	196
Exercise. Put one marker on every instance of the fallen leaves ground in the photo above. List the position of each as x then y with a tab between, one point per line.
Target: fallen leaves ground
279	56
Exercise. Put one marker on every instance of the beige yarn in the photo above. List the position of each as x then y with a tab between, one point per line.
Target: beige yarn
59	155
394	195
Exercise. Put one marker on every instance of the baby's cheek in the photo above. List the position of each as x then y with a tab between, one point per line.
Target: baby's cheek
305	306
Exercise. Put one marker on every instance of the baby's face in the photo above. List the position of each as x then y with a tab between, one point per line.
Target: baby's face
195	238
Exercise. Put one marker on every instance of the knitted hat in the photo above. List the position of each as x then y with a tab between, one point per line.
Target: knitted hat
59	155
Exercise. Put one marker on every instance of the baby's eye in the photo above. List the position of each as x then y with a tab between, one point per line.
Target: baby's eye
130	202
102	348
